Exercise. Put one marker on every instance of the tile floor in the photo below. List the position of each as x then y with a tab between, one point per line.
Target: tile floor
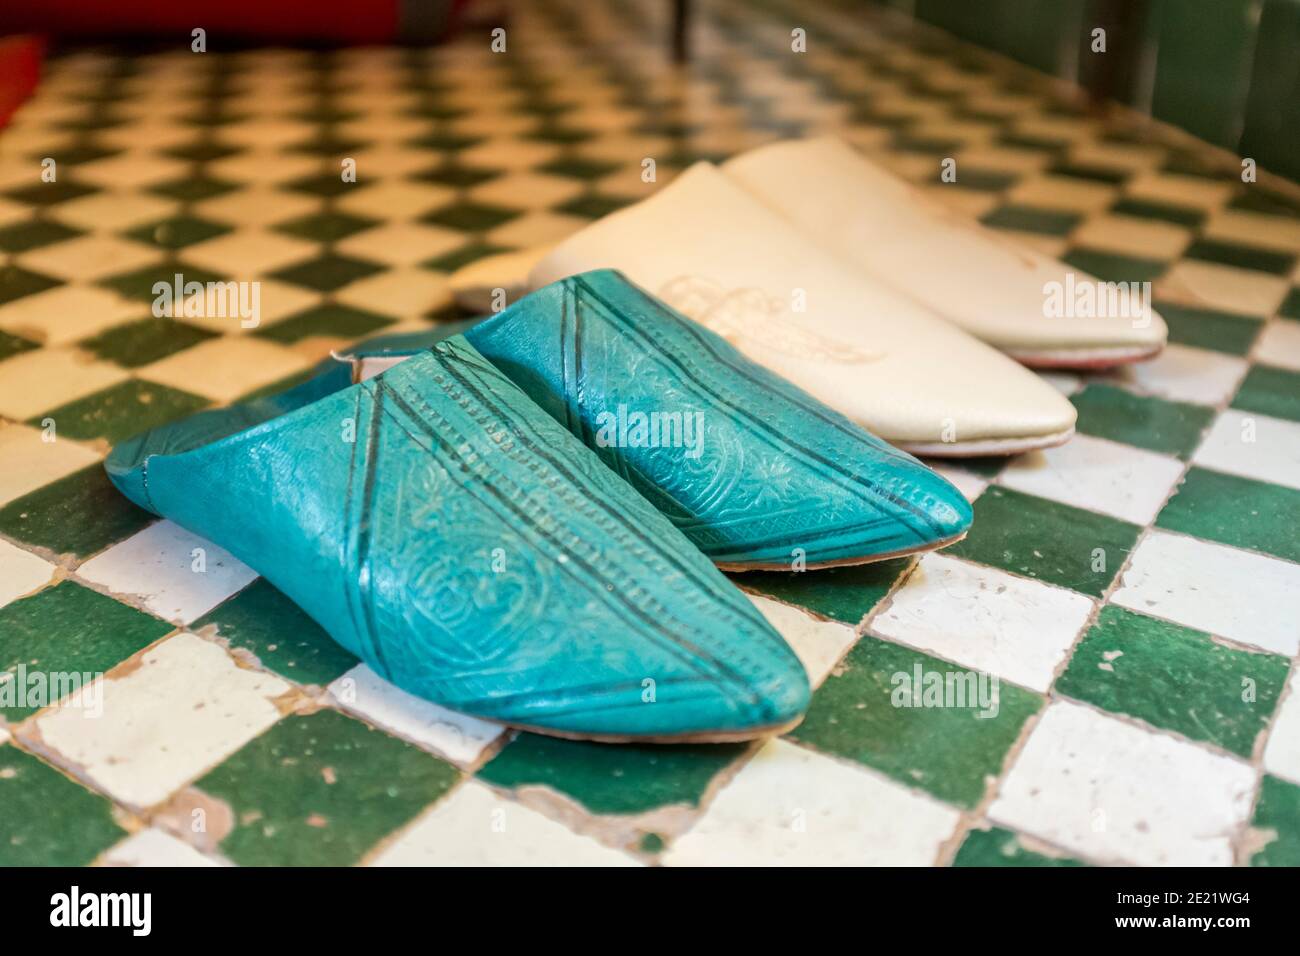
1136	593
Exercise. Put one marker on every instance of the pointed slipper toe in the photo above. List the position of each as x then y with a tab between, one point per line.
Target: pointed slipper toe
755	472
1000	291
451	534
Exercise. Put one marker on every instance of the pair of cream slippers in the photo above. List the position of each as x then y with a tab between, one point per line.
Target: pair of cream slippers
907	318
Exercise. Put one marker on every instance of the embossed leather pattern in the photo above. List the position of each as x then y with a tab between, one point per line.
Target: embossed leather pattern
472	552
778	475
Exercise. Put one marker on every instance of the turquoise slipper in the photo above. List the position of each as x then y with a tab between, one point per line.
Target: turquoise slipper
443	528
754	471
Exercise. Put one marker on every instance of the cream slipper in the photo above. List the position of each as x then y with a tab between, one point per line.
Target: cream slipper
1034	308
706	247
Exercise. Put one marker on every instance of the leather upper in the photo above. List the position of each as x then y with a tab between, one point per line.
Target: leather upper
767	474
713	252
443	528
971	275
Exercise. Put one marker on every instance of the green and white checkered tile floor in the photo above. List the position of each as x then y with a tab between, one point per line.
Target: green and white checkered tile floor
1136	591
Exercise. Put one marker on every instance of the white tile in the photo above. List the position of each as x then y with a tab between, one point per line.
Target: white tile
1282	755
475	827
1279	344
458	737
30	462
1239	595
1209	285
21	572
1186	374
968	483
183	708
793	807
1117	792
986	619
159	566
1253	446
1118	480
819	645
154	847
1067	383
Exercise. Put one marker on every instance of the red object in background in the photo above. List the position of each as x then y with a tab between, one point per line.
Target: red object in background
277	21
20	70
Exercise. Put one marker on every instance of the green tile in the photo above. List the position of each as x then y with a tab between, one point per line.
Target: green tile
31	234
999	847
79	514
1175	678
1240	257
177	232
1209	328
444	142
1091	173
77	155
262	620
121	411
1163	212
1270	391
321	790
471	216
1173	428
459	176
1260	199
328	146
1115	268
594	206
562	135
947	751
202	151
330	319
1028	219
1047	540
328	272
984	180
573	167
139	283
463	256
1291	304
14	345
1277	824
322	184
49	820
626	779
69	628
1235	511
841	594
51	194
194	188
16	282
138	343
329	226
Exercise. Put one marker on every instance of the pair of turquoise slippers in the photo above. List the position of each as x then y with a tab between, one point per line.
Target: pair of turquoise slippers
525	521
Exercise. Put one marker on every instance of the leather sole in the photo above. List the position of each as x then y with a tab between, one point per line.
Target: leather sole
846	562
703	737
986	447
1087	359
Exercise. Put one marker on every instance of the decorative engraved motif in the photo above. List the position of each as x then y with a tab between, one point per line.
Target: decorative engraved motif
752	320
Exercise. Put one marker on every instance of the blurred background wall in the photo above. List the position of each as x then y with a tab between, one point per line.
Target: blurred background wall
1227	71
